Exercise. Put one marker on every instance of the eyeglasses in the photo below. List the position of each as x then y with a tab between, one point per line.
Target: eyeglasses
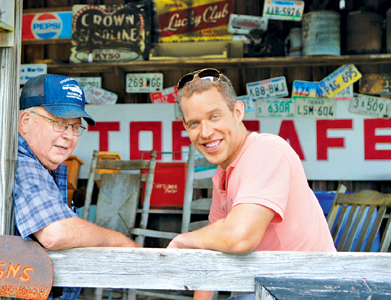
209	74
61	125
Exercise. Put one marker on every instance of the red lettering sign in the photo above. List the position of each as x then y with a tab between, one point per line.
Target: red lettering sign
371	139
103	128
324	142
288	132
135	129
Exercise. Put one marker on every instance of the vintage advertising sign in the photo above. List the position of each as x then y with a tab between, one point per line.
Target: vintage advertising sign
283	10
370	106
349	147
94	81
44	26
249	103
111	33
25	269
275	107
320	108
96	95
378	84
243	24
311	89
273	87
28	71
167	95
339	79
197	20
144	82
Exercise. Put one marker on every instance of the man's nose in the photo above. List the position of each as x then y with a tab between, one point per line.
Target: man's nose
68	133
206	130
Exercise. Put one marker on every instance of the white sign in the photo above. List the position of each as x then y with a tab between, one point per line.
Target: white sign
94	81
273	87
95	95
249	103
329	149
320	108
144	82
283	10
370	106
28	71
243	24
275	107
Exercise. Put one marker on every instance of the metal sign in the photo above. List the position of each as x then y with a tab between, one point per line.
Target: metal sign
25	269
311	89
45	26
275	107
111	33
379	84
283	10
274	87
94	81
249	103
168	95
370	106
95	95
243	24
320	108
144	82
339	79
28	71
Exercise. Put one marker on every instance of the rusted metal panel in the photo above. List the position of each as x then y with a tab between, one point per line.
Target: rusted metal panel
26	270
376	84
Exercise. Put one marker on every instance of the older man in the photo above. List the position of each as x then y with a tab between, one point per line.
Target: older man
261	197
49	128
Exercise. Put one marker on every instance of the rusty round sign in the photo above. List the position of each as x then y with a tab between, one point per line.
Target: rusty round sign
25	269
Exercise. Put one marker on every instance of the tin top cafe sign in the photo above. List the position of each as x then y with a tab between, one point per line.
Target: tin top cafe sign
111	33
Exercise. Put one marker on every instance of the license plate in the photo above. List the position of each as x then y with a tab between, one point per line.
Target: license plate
94	81
95	95
144	82
283	10
311	89
275	107
339	79
274	87
167	95
243	24
249	105
375	84
370	106
320	108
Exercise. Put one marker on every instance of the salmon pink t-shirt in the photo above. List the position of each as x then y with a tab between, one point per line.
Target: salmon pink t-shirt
268	172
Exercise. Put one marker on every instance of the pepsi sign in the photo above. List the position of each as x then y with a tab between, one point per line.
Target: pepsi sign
42	26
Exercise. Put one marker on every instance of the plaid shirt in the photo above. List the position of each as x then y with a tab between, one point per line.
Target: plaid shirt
40	198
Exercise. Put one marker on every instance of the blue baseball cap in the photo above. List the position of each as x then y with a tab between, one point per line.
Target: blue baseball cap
61	96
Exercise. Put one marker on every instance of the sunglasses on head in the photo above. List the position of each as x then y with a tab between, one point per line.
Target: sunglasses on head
205	74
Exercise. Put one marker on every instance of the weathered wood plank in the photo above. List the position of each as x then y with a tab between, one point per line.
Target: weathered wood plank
210	270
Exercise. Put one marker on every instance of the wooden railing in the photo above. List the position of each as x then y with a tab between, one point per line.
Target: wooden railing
167	269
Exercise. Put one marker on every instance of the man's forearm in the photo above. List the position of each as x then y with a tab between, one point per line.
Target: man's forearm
203	295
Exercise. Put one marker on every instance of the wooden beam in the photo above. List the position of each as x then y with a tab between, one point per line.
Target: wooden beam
180	269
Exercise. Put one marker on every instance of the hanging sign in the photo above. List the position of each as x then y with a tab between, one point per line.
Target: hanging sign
379	84
370	106
320	108
95	95
283	10
243	24
190	21
47	26
28	71
275	107
339	79
274	87
111	33
167	95
144	82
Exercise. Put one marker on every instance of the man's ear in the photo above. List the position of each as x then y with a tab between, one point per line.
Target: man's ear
24	120
239	110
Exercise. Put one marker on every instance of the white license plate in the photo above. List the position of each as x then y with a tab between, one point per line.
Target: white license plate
249	103
370	106
275	107
310	89
94	81
274	87
144	82
320	108
283	10
339	79
243	24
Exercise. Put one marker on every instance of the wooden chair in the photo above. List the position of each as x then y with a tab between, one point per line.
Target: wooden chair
198	206
366	206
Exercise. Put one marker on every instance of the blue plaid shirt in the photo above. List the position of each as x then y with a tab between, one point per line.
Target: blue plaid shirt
40	198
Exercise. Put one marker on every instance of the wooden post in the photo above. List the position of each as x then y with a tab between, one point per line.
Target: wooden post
9	107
